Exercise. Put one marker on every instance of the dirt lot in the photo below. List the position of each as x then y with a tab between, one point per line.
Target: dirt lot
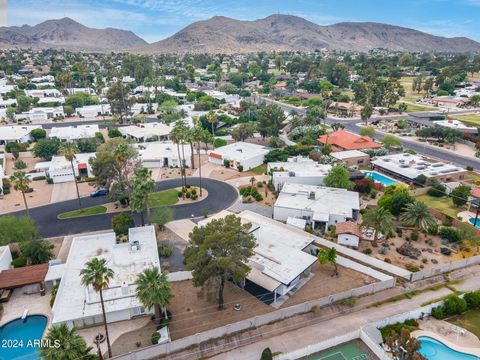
323	284
192	314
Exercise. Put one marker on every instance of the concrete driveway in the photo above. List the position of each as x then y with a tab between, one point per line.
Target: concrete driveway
63	191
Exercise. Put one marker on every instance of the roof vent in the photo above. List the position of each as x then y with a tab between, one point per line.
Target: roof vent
311	195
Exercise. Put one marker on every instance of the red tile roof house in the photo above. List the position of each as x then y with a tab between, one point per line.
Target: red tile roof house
348	234
342	140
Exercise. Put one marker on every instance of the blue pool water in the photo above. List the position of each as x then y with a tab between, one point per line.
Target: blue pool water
436	350
379	178
472	221
17	338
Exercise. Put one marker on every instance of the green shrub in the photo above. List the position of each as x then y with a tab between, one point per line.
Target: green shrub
414	236
180	194
219	143
258	197
473	299
437	190
121	223
450	233
49	180
20	165
155	337
412	267
259	184
193	191
113	133
367	251
445	251
194	197
389	330
226	163
188	195
454	305
469	168
19	262
165	250
240	168
437	313
373	193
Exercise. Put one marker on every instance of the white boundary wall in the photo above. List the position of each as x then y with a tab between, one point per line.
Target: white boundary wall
181	344
455	265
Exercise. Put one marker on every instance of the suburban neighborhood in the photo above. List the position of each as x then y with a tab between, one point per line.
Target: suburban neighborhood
266	188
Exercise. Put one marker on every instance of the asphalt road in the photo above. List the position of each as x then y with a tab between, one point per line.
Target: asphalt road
220	196
432	152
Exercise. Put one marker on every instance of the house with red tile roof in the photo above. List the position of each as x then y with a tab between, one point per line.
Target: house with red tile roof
348	234
342	140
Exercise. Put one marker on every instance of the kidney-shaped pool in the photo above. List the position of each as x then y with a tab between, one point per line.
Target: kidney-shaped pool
20	338
435	350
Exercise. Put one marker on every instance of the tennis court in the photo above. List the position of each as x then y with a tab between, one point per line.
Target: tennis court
348	351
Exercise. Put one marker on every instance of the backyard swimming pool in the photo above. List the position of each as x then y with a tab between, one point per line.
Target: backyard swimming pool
435	350
379	178
17	338
472	221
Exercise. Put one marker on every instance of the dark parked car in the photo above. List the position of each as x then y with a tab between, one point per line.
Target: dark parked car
99	192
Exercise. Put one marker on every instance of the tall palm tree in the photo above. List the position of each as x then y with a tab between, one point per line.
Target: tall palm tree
68	150
21	183
418	215
197	136
71	346
153	290
142	186
176	135
381	220
98	275
212	119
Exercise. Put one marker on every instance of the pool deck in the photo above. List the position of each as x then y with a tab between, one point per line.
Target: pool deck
19	302
395	181
444	332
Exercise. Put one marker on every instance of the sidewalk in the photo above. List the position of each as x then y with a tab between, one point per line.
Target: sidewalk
337	325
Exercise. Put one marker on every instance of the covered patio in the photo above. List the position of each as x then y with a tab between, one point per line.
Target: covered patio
27	276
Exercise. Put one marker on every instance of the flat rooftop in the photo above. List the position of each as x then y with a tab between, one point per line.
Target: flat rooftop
348	154
300	167
74	133
239	151
411	166
61	163
127	260
146	130
321	200
16	132
155	151
278	257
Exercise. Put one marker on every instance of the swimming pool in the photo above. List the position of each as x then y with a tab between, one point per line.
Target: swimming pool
435	350
472	221
17	338
379	178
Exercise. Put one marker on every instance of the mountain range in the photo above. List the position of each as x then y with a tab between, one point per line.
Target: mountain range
226	35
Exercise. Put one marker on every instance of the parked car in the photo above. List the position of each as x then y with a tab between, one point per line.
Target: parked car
99	192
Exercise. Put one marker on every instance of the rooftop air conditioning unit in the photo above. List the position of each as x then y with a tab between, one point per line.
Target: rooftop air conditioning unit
135	245
311	195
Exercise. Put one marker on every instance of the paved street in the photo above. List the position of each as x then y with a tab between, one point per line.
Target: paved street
220	196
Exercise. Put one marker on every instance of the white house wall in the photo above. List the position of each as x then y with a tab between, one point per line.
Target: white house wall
348	240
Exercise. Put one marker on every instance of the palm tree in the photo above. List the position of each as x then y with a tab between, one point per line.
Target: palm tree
418	215
381	220
177	136
98	275
328	256
212	119
68	150
153	290
142	186
197	136
21	183
71	346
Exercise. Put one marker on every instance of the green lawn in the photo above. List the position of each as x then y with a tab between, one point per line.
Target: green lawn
469	321
163	198
443	204
471	119
94	210
413	108
259	170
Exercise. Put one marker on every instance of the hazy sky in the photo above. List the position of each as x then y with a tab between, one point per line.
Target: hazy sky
156	19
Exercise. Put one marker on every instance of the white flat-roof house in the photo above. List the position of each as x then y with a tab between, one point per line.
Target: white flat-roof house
320	206
280	260
239	154
408	167
352	157
43	93
297	170
60	169
89	111
164	154
142	108
77	305
41	114
18	133
146	132
72	133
